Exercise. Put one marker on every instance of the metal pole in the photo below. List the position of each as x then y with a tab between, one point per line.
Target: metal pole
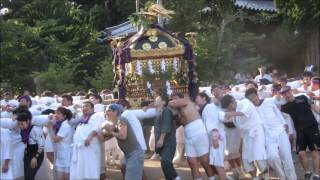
160	19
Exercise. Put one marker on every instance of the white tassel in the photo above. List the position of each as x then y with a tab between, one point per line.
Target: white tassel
169	90
138	68
150	67
175	64
163	66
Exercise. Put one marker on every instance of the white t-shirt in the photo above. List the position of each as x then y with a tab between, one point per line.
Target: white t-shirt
11	103
273	120
251	117
133	117
99	108
301	89
62	148
210	117
265	76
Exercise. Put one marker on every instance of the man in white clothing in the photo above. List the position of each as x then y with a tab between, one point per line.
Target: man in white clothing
251	124
6	155
215	129
86	149
277	140
262	75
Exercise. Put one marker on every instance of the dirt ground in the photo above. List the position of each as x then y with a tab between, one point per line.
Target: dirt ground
154	172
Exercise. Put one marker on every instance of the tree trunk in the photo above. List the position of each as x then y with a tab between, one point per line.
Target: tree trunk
313	49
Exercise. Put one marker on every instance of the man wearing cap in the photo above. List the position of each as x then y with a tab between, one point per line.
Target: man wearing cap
122	130
300	109
134	116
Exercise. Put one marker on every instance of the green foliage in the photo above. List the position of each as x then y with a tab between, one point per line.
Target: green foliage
138	20
55	40
224	47
46	38
59	78
103	76
303	13
238	54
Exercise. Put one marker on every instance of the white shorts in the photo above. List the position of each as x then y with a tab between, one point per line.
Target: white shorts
196	139
180	135
62	169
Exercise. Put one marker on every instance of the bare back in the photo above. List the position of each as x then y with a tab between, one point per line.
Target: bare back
187	110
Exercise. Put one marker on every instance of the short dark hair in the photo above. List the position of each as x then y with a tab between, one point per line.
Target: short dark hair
105	91
67	97
250	91
276	87
96	96
213	86
165	98
90	103
124	103
226	101
307	74
47	93
24	115
47	112
264	81
93	91
20	109
205	95
66	112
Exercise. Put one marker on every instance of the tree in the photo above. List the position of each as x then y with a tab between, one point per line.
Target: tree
34	41
302	13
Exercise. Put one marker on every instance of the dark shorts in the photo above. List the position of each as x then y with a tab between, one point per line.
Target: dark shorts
308	137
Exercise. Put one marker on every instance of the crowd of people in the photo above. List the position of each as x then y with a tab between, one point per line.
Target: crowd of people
253	127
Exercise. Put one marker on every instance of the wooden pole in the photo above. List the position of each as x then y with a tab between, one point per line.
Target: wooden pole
137	5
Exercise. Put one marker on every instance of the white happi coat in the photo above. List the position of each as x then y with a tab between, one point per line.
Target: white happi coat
133	117
277	140
210	116
17	146
86	160
99	108
273	121
251	125
6	153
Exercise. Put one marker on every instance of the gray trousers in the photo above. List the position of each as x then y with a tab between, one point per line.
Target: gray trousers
134	164
167	155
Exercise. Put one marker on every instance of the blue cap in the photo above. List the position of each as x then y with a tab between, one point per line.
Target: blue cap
115	107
